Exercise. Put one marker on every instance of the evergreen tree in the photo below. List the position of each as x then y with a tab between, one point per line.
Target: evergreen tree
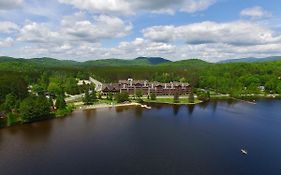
153	96
110	96
122	97
93	96
191	97
36	88
71	86
99	95
34	108
51	103
87	98
176	98
60	102
10	102
139	94
55	88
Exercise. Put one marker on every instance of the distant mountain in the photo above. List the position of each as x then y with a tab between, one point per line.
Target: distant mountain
6	59
188	63
47	62
252	60
153	60
140	61
21	64
51	62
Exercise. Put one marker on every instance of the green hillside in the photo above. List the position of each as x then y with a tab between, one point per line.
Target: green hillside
51	62
189	63
252	60
114	62
140	61
231	78
6	59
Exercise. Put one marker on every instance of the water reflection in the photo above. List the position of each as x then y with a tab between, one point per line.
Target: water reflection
35	132
214	106
203	105
90	115
232	102
121	109
2	123
141	141
176	109
157	106
190	109
138	112
1	137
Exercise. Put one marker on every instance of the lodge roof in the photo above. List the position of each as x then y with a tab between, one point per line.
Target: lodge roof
155	83
111	86
118	86
133	82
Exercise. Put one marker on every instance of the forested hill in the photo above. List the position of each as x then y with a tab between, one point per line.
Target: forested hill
20	63
252	60
27	65
189	63
140	61
232	78
54	63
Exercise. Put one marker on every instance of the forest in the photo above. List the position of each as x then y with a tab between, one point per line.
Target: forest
23	83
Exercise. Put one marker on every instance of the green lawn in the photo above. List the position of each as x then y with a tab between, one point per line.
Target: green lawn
104	101
160	99
171	101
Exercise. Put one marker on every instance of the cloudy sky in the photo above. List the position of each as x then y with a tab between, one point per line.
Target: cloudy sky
211	30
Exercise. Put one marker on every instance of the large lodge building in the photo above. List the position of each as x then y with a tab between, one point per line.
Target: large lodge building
132	86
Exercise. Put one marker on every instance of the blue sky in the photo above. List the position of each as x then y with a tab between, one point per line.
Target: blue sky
211	30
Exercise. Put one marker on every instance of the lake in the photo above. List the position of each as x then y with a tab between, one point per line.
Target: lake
204	139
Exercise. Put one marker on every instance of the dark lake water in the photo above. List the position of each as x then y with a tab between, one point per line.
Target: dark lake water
199	140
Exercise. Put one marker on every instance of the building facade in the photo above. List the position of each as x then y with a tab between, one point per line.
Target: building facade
132	86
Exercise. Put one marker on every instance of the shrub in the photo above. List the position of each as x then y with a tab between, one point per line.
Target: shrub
122	97
176	98
153	96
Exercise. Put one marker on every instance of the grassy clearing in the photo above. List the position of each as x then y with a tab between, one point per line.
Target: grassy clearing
171	101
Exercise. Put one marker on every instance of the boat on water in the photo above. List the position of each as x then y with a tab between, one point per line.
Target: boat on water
145	106
243	151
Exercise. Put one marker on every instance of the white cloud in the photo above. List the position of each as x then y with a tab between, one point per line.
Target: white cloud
132	6
141	47
8	27
6	42
192	6
10	4
37	33
233	33
80	36
76	28
255	12
101	27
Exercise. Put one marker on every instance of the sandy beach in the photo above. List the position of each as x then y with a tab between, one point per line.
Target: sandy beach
100	106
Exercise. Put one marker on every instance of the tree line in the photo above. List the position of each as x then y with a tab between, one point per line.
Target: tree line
24	86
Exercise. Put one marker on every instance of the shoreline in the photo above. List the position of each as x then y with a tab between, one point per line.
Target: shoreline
250	99
108	106
103	106
167	103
